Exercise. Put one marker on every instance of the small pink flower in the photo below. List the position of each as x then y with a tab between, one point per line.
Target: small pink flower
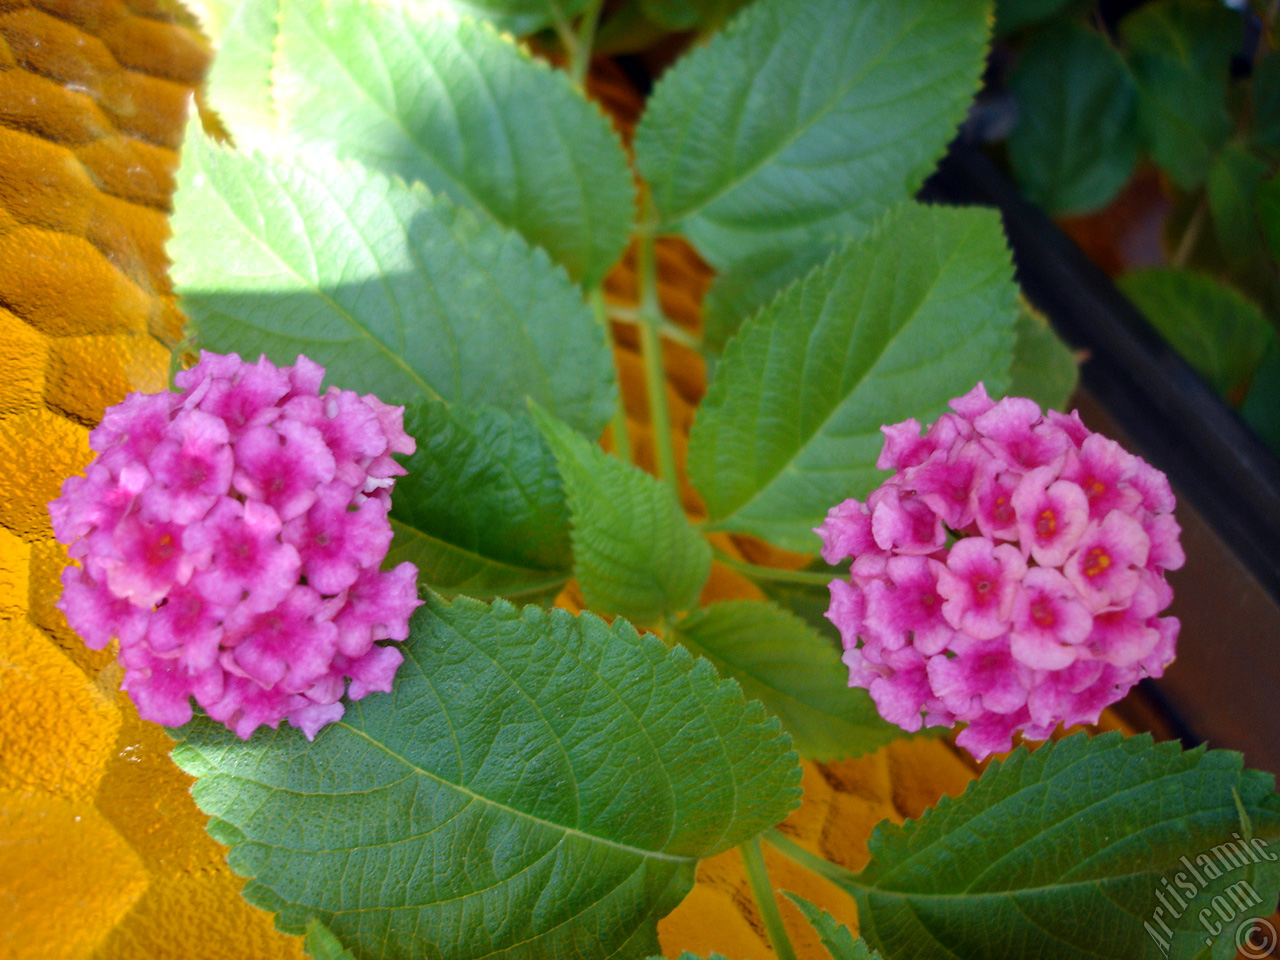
1049	621
1007	576
904	523
1052	516
979	583
230	537
907	605
1105	565
846	532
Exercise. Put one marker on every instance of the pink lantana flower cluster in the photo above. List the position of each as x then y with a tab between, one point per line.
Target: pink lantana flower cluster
230	537
1009	575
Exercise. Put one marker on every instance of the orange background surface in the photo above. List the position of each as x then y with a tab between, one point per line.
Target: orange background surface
103	854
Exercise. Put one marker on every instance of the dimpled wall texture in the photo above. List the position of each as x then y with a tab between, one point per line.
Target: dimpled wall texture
103	854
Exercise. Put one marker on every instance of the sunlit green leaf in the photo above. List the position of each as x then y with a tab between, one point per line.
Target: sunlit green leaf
635	552
537	785
1066	853
482	510
891	327
796	673
748	284
834	935
808	115
433	98
395	291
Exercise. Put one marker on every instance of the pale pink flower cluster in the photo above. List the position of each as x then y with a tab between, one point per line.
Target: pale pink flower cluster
231	536
1009	575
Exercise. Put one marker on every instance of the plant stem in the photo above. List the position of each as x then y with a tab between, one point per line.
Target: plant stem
753	857
819	865
621	437
757	572
1192	233
672	331
580	59
651	347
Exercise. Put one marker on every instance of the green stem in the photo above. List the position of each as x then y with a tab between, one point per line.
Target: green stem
580	59
757	873
819	865
621	437
651	347
672	331
757	572
1192	233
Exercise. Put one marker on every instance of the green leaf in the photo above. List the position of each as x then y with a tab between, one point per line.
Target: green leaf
321	944
1044	367
1076	140
688	14
536	785
1261	407
1064	852
748	284
482	510
891	327
1013	15
432	98
1265	89
396	292
808	115
519	17
834	935
1233	185
1269	212
1213	326
794	672
809	602
1181	54
635	552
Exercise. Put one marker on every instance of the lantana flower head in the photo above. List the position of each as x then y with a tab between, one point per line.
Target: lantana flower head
231	536
1009	575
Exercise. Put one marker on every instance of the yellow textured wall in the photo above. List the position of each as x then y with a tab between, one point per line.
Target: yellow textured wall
103	854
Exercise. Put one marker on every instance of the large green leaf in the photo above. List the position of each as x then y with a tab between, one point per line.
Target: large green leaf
834	935
437	99
793	671
482	510
635	552
1213	326
1181	54
808	115
1078	851
1076	141
396	292
748	284
1043	368
536	785
891	327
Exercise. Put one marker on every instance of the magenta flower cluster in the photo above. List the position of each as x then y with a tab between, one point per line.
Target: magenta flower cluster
230	537
1008	575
